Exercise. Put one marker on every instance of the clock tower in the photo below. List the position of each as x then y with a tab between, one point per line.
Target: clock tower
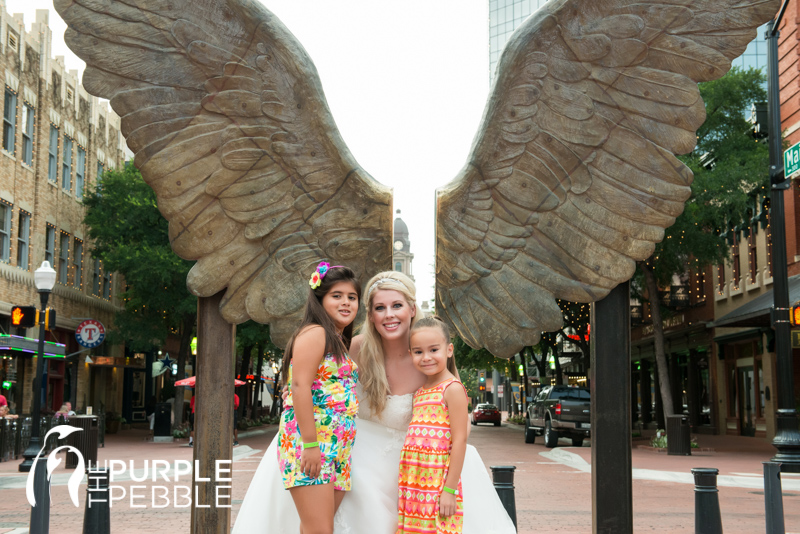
401	248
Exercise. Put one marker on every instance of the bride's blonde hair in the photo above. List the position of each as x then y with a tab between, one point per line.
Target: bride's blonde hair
371	362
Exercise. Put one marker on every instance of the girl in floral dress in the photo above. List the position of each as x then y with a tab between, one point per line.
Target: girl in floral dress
318	423
430	500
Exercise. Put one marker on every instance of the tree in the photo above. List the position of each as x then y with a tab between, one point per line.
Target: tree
250	335
730	170
131	238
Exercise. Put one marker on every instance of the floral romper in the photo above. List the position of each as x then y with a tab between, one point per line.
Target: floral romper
424	463
335	406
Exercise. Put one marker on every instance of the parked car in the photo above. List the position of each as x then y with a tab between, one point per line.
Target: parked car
486	413
559	411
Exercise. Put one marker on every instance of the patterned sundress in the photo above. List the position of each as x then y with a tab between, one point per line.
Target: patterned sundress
424	463
335	407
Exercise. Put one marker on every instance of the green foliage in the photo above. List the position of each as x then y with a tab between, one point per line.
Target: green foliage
469	377
131	238
253	334
469	358
724	195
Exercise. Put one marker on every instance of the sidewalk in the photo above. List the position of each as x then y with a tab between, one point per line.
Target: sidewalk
553	486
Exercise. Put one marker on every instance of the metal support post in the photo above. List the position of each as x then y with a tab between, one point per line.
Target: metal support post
612	494
773	498
787	437
97	512
707	518
503	479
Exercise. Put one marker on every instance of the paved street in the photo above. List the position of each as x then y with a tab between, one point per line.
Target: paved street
553	486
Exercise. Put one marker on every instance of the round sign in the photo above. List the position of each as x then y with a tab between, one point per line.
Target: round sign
90	333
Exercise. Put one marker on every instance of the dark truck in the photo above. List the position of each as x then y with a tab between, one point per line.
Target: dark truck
559	411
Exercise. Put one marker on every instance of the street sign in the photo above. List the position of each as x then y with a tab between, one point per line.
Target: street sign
90	333
791	160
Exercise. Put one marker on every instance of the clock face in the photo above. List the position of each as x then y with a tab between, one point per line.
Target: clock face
398	245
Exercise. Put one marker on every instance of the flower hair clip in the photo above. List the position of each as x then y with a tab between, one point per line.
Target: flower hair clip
319	274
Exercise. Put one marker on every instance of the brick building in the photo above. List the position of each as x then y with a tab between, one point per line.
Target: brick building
57	141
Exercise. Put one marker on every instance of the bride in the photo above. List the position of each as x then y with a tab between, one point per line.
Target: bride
387	381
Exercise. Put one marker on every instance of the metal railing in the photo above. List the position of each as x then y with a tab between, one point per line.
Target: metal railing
15	435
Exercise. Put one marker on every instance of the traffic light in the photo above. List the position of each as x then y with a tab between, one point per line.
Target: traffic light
24	316
481	380
49	319
795	314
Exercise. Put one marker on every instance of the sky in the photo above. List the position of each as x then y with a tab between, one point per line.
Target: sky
406	82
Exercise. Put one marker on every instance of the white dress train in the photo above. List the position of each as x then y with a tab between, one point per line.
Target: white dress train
371	506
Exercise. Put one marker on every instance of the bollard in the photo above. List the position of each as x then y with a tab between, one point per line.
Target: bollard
707	518
773	498
503	479
97	514
40	514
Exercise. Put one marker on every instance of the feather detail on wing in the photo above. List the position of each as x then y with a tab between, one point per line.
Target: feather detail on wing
226	116
572	177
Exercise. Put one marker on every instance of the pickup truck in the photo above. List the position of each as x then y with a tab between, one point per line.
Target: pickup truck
559	411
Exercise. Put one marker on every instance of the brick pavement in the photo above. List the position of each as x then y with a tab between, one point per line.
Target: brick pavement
552	494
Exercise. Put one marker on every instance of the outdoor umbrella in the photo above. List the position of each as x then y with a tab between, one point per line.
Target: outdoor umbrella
190	382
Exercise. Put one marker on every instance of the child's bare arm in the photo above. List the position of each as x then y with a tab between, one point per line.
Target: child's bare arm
457	404
307	353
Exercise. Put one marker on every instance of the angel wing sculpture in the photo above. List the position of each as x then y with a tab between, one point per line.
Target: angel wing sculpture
571	178
228	122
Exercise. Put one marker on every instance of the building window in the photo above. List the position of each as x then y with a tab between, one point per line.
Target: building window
9	121
736	260
752	259
13	41
77	263
50	244
23	239
27	134
720	278
52	169
63	259
100	169
96	278
5	230
398	267
106	285
80	170
66	167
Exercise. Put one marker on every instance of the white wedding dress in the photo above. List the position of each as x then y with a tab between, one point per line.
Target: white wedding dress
371	506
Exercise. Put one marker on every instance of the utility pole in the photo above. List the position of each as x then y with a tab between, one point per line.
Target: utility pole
787	437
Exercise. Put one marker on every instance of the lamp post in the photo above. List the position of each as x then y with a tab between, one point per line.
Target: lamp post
44	278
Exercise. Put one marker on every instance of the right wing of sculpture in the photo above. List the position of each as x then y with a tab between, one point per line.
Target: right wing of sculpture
226	116
572	177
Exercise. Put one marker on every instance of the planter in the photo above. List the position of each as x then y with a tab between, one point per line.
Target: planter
112	427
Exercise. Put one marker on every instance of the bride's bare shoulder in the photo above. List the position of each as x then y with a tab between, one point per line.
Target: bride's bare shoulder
355	346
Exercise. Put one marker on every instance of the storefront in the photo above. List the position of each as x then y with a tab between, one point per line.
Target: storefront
17	359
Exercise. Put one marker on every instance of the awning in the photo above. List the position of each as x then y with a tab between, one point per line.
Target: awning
30	347
756	312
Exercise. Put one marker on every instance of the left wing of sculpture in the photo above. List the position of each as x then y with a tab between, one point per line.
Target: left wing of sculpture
225	113
572	176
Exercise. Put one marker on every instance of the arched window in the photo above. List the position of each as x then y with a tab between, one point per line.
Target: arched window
398	266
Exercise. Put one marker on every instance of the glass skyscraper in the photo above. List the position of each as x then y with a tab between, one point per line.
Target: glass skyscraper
506	15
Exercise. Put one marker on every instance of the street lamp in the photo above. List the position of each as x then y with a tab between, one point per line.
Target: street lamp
44	278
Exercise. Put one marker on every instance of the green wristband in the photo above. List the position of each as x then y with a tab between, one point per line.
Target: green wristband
310	445
449	490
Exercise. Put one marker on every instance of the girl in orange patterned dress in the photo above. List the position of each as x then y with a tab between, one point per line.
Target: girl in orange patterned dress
430	500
